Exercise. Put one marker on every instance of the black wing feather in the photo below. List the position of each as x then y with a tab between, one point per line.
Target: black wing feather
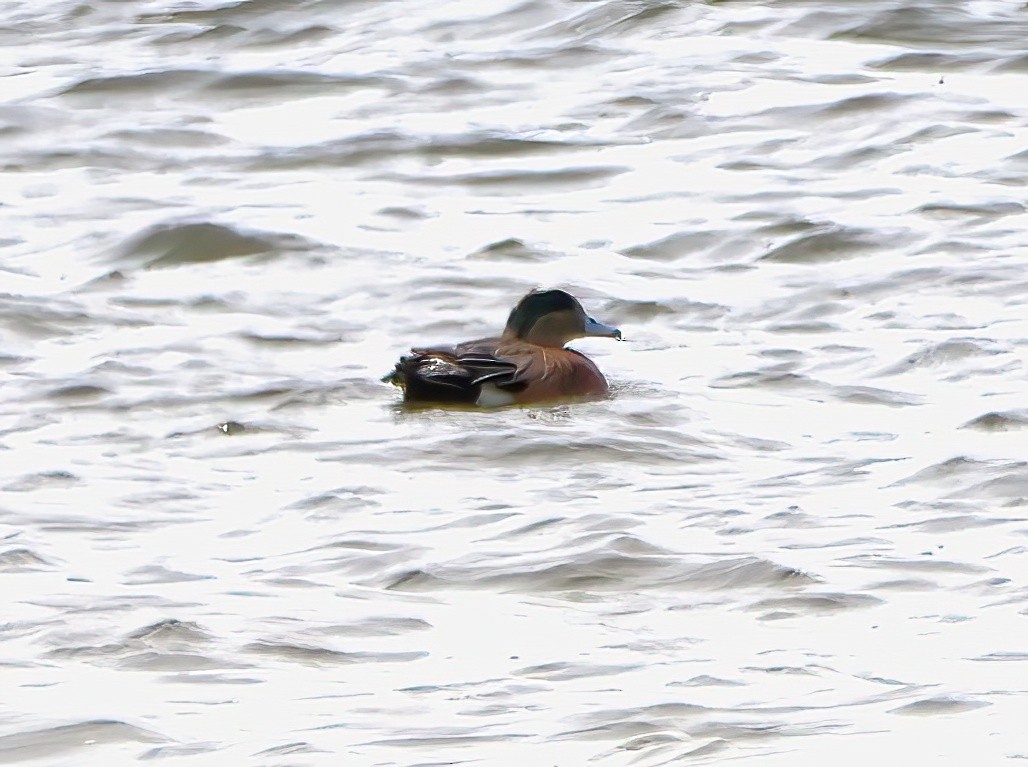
438	375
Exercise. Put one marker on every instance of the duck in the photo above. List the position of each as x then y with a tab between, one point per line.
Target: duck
526	364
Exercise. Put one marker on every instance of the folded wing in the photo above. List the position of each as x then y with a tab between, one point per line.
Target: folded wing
454	374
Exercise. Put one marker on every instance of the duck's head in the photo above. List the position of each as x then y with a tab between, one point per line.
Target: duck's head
552	318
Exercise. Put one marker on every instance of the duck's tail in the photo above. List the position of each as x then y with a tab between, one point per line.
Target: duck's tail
395	376
433	378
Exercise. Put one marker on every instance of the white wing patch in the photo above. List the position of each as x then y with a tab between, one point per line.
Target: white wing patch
491	395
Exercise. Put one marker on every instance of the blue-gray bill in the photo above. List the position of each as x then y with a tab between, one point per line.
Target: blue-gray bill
594	328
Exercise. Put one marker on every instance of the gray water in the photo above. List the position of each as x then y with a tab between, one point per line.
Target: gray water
795	534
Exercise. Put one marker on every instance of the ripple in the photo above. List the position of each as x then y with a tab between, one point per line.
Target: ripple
928	565
962	210
943	704
263	85
511	249
1012	487
565	671
180	749
515	181
1009	420
375	627
948	472
948	352
955	523
314	655
160	574
169	645
827	243
146	83
924	25
608	567
816	604
23	560
870	395
1004	657
216	34
268	82
77	392
53	742
931	61
44	479
432	742
675	246
167	137
172	633
170	245
705	680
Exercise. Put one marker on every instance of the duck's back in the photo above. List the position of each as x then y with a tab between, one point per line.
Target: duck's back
492	372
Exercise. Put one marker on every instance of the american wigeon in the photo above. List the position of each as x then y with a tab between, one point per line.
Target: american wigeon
526	364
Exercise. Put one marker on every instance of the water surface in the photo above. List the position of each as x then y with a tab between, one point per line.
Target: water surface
795	533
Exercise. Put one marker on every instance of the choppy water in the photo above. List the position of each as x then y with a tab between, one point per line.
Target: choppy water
796	533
